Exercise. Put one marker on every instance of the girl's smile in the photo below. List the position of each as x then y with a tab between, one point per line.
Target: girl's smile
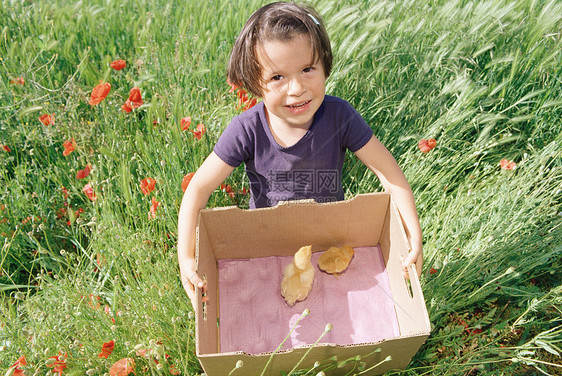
299	107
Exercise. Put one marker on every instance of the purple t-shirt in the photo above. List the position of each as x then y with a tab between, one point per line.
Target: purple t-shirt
311	168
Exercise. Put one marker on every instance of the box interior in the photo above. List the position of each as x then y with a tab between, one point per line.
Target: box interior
254	317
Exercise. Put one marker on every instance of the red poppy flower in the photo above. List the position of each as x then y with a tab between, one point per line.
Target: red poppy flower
93	301
58	363
199	132
99	93
233	87
426	145
507	165
18	81
118	64
89	191
61	213
186	180
242	94
122	367
7	148
47	119
65	192
134	100
81	174
100	260
126	107
242	97
153	208
15	368
432	271
107	309
174	370
106	349
20	362
135	97
227	189
251	103
147	185
69	147
185	123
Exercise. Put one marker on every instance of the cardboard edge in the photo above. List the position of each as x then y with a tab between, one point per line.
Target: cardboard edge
372	353
319	345
417	290
394	208
202	315
198	303
282	204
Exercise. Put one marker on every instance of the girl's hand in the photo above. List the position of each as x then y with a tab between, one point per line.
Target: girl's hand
190	279
414	257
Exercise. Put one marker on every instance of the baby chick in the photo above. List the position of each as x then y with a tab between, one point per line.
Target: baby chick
298	276
335	260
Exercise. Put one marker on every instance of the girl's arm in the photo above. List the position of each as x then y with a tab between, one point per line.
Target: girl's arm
379	160
209	175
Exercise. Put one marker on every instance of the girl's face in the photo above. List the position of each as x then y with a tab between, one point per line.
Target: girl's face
294	85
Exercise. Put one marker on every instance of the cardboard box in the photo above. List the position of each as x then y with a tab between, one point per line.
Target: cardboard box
365	220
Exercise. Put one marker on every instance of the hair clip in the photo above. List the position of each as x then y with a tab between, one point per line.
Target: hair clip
314	19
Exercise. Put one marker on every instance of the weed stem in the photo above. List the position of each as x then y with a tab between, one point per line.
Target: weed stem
304	314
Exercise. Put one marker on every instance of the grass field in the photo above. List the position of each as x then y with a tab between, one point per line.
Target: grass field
484	79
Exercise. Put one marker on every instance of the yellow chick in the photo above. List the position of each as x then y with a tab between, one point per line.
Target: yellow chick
335	260
298	276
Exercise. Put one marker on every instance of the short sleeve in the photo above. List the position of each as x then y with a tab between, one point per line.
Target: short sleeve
356	130
235	144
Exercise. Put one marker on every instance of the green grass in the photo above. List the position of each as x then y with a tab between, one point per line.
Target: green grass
482	78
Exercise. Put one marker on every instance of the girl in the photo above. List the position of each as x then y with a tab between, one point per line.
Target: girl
293	142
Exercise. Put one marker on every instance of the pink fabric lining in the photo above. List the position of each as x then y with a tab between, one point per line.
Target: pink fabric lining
254	317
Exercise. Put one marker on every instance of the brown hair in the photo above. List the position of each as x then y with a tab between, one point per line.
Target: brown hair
279	21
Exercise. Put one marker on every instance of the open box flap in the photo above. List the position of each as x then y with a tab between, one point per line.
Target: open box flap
407	294
281	230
